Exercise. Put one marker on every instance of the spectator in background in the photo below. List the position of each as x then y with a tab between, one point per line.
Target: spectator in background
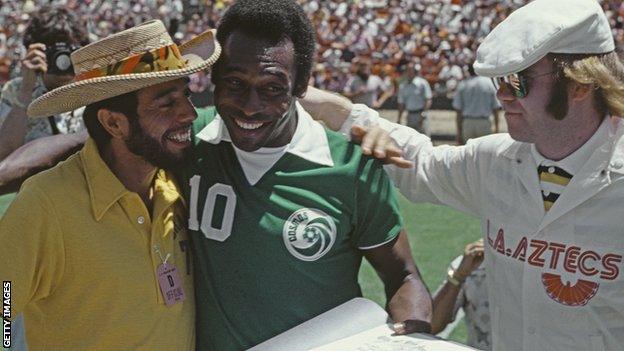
465	288
443	34
201	89
365	87
414	97
474	102
52	34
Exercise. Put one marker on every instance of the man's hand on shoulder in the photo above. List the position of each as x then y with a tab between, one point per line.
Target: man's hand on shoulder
376	142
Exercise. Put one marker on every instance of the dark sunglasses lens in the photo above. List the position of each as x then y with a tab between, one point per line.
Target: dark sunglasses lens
514	82
517	83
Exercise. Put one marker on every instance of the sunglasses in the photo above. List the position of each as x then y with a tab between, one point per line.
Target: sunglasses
516	83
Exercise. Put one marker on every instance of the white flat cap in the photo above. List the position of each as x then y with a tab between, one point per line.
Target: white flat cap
542	27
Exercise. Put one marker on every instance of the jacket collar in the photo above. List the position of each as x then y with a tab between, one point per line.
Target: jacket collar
596	174
309	141
616	162
611	149
575	161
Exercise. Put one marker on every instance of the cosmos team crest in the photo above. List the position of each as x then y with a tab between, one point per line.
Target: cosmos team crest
309	234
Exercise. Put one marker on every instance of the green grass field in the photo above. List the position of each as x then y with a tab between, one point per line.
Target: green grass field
437	235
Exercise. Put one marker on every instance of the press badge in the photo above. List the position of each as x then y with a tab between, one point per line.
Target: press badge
169	281
170	284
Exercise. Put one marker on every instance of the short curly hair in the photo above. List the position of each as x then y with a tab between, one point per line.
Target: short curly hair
54	24
274	20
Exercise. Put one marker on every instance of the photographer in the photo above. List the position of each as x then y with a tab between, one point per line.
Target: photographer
52	34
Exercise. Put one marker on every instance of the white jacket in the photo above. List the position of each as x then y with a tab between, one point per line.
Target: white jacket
554	279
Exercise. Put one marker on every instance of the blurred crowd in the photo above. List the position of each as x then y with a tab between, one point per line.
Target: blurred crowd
439	36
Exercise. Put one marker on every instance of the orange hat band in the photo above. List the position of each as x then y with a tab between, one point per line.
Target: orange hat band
162	59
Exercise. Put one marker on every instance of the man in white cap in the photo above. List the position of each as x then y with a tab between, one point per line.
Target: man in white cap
549	192
95	250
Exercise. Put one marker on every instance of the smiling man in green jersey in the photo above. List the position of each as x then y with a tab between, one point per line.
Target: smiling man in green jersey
281	210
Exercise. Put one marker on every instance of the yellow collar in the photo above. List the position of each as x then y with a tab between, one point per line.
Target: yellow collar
105	189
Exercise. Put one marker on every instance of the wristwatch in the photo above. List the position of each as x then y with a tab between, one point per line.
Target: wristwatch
450	277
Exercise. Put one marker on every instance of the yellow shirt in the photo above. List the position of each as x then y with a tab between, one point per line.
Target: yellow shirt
78	248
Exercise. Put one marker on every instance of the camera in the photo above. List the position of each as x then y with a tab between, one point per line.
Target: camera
59	59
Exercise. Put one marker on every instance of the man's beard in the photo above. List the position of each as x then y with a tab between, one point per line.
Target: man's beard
141	144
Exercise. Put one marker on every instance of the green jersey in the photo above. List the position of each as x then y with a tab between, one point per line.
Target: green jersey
278	233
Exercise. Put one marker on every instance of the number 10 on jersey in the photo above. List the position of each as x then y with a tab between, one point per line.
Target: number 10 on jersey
218	233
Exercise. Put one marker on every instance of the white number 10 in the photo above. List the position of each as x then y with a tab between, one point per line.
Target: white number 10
219	234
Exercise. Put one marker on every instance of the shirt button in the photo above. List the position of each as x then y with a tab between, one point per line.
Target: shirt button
141	219
551	169
531	330
617	164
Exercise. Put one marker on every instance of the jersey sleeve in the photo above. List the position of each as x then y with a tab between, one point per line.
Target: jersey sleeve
32	255
378	219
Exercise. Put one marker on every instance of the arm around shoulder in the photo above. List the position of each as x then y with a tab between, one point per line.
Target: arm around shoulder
331	108
36	156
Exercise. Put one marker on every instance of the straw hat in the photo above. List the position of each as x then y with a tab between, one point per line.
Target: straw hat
136	58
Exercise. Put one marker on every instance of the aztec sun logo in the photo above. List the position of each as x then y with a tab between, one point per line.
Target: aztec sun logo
570	295
309	234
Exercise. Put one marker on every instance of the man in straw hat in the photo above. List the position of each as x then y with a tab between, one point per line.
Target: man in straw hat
281	210
96	250
549	192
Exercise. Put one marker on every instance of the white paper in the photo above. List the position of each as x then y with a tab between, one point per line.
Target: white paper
381	339
340	322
